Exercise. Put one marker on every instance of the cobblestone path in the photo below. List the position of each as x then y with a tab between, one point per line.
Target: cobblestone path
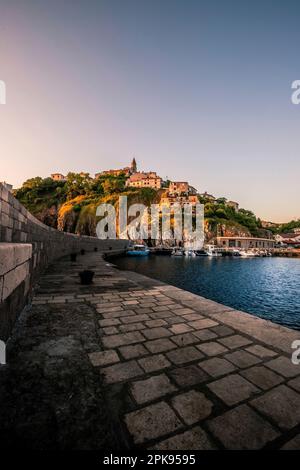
176	370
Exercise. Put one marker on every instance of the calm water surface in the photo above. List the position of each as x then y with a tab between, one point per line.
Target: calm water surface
266	287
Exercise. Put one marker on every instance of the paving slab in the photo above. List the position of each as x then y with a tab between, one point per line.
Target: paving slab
205	335
192	406
188	376
115	341
185	339
202	324
121	371
282	405
194	439
150	389
242	359
103	358
262	377
235	341
295	384
152	422
292	444
184	355
212	348
131	352
261	351
284	366
242	429
160	345
233	389
180	328
155	333
154	362
217	366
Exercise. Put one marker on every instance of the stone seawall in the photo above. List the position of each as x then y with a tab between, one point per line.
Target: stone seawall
27	246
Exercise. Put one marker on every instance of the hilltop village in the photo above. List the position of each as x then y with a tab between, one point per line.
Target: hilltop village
69	202
174	191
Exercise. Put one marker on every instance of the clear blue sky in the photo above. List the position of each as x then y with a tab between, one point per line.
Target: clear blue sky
197	90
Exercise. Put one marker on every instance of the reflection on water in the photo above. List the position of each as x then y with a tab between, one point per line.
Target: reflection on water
266	287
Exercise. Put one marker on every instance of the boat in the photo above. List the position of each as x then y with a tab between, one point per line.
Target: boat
265	253
138	250
161	250
190	253
212	252
177	252
236	253
201	253
248	254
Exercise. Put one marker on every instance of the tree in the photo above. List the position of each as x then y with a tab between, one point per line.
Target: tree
113	185
221	200
78	184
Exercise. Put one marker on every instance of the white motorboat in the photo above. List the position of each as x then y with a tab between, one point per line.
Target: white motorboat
177	252
212	252
190	253
248	254
201	253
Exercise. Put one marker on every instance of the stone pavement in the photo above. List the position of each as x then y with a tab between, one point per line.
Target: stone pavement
176	370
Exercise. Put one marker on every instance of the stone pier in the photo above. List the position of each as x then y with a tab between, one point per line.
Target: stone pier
130	363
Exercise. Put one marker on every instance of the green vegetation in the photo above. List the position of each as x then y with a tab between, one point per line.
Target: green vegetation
71	205
286	228
219	213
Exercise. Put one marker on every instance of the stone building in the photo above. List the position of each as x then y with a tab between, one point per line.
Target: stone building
127	170
181	187
178	187
245	243
144	180
58	177
171	199
291	239
208	197
122	171
8	186
233	204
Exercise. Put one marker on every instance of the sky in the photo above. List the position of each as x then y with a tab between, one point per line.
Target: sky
196	90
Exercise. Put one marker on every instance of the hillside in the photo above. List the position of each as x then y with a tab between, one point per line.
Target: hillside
71	205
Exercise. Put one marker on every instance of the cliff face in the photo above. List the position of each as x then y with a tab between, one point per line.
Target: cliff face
71	206
78	215
48	215
214	228
68	214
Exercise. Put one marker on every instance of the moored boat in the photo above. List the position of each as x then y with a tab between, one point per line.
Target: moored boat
138	250
248	254
201	253
212	251
177	252
190	253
